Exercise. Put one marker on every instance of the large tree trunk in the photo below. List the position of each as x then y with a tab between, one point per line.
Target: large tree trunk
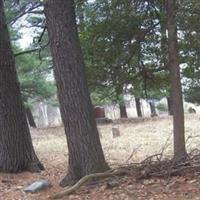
177	100
138	107
30	117
153	109
85	151
16	149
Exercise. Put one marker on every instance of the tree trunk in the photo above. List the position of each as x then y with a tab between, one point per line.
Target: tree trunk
177	100
120	98
122	108
138	107
16	149
30	117
85	151
169	104
153	109
164	49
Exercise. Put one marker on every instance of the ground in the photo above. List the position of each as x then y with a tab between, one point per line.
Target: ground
138	140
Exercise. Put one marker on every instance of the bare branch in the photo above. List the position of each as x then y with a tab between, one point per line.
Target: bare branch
23	11
31	50
38	12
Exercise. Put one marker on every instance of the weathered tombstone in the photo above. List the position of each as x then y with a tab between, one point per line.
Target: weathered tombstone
191	110
37	186
103	120
100	115
115	132
99	112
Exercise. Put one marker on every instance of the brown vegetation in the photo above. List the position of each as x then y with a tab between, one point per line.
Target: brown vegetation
136	142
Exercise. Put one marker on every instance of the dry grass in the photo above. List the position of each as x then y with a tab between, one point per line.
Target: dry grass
142	139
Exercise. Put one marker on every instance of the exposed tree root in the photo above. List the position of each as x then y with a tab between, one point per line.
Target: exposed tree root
152	166
87	178
68	180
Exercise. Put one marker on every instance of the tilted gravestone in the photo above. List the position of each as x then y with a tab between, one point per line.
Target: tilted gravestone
37	186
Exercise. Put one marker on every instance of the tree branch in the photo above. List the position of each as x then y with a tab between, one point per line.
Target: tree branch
87	178
31	50
23	11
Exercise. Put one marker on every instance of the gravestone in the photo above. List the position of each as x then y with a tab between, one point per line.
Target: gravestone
37	186
115	132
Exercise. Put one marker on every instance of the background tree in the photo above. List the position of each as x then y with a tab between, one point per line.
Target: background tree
192	88
175	79
36	81
111	46
33	63
188	18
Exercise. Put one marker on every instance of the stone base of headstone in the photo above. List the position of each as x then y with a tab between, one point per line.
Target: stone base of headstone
103	120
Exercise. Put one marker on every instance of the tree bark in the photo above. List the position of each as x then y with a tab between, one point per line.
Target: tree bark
84	147
169	104
122	108
119	96
175	79
16	149
30	117
138	107
164	49
153	109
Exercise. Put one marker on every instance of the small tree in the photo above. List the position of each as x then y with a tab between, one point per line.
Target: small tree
33	76
192	94
177	101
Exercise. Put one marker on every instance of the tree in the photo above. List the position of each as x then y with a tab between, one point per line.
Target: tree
30	117
169	104
16	149
122	109
162	17
33	76
111	45
85	151
120	100
138	107
33	68
192	88
177	101
152	108
188	18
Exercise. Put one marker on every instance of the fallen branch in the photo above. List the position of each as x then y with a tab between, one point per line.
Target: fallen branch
175	172
152	166
167	168
87	178
133	153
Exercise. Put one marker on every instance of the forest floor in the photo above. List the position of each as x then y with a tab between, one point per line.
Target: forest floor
138	139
